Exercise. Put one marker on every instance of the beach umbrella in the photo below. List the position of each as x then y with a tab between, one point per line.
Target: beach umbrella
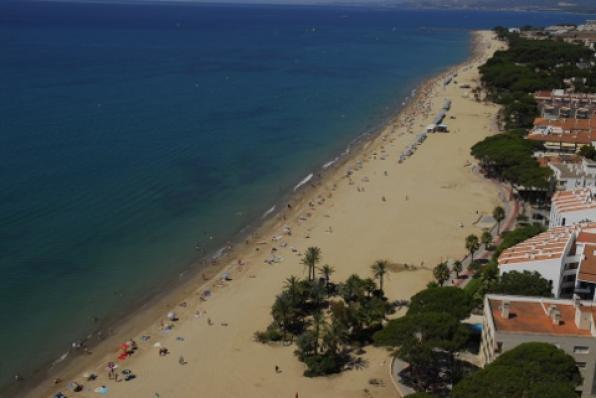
157	345
171	315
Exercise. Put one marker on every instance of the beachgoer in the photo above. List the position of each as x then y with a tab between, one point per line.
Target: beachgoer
277	369
181	360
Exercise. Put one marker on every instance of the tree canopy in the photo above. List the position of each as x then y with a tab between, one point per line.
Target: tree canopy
509	156
530	65
427	341
588	152
449	300
442	330
530	370
524	283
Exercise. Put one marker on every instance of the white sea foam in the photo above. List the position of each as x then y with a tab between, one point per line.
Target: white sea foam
271	210
304	181
60	359
219	253
330	163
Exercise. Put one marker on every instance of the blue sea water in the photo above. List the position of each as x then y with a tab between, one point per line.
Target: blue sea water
130	133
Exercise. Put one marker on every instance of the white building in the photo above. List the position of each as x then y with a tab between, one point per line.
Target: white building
565	256
573	206
545	253
570	325
574	175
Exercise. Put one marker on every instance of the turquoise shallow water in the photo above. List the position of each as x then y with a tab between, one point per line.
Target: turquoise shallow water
129	133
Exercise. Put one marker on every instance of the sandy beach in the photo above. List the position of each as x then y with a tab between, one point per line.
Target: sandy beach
371	207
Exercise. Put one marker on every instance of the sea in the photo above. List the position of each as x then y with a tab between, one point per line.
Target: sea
137	138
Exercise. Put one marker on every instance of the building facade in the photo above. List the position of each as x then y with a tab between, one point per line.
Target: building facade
572	207
565	256
573	175
509	321
564	135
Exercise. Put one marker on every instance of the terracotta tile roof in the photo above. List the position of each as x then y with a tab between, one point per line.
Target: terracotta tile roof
587	236
547	245
567	124
544	94
587	269
527	316
573	200
582	138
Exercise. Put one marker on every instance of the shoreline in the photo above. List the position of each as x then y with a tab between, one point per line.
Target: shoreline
155	308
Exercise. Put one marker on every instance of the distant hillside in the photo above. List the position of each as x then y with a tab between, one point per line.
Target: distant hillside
588	6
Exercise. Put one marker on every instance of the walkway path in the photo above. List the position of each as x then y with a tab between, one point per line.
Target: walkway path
511	207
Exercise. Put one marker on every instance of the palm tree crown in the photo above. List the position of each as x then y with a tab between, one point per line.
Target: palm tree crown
311	257
379	269
326	271
472	244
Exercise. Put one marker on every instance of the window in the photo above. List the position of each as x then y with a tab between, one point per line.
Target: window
580	364
572	266
568	291
580	349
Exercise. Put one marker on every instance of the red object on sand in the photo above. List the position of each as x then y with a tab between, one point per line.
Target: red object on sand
122	356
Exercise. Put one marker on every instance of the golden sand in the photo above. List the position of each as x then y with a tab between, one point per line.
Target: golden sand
427	200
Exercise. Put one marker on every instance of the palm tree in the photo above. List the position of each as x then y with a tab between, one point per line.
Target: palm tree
311	257
326	271
282	313
316	294
472	244
441	273
457	268
318	321
292	286
369	286
335	334
499	215
379	269
486	238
